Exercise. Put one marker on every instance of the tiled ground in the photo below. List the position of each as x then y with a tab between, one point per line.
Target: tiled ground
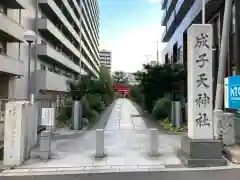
126	137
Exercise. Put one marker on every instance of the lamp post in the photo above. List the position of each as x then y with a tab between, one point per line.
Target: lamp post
30	37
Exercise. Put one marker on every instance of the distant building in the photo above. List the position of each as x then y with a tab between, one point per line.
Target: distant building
106	59
153	63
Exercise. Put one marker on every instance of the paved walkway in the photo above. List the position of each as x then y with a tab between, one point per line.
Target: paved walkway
125	144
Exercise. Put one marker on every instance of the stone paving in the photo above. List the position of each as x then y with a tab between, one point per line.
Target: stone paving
126	137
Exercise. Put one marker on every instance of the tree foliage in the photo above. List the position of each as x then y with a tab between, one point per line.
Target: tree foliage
156	81
95	94
120	77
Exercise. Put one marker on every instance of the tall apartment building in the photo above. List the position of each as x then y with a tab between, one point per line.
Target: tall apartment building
67	45
106	59
180	14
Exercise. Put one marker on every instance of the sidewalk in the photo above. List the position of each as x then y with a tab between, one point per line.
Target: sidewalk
126	137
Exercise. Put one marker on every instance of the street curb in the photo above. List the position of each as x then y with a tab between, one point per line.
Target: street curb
173	133
57	135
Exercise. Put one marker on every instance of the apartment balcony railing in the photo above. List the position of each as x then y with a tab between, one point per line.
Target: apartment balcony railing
14	4
11	66
10	30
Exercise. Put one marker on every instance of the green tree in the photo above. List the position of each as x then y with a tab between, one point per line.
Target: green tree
95	95
120	77
156	81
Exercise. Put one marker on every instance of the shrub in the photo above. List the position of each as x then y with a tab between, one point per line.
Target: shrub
93	116
135	94
65	112
95	102
162	108
85	107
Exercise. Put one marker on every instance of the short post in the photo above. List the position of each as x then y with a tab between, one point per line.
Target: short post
75	115
178	114
45	145
173	113
54	106
218	117
153	143
32	98
99	143
227	129
81	123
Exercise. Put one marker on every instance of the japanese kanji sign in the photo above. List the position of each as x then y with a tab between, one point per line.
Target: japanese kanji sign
47	116
200	82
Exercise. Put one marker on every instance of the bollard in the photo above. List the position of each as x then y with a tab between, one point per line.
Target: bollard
218	117
173	113
153	143
32	98
99	143
76	115
45	145
228	130
178	114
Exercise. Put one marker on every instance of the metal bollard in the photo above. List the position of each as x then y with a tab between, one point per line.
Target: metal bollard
99	143
153	143
178	114
45	145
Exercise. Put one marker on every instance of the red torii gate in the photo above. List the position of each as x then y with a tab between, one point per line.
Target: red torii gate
122	89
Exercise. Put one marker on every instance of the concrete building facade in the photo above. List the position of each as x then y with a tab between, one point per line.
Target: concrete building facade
106	59
178	17
66	46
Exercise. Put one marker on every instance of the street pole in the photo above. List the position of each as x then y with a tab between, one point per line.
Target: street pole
157	55
203	12
29	66
222	59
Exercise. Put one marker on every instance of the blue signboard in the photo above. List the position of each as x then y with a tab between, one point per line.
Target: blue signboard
232	92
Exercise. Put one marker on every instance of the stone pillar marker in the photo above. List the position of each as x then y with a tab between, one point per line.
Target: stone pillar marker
15	134
198	148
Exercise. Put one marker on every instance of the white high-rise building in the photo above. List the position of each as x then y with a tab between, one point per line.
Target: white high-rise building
67	45
106	59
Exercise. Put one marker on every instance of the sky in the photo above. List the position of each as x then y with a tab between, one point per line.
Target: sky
130	29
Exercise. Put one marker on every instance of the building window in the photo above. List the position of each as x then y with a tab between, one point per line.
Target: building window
50	69
180	55
3	47
233	18
43	67
43	42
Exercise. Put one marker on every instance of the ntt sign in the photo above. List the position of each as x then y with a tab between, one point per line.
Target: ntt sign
232	92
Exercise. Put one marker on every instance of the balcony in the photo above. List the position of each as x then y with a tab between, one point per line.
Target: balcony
47	29
164	4
49	81
11	66
48	52
188	13
10	30
181	9
168	11
70	12
52	11
13	4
